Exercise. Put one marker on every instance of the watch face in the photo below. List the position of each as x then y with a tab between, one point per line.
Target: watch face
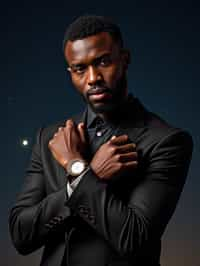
77	167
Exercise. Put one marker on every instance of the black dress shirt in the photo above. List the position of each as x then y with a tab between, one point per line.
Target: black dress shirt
99	130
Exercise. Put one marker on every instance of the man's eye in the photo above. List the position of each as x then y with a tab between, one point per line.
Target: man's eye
105	61
79	69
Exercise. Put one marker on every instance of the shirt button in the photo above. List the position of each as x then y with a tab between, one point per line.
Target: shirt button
99	133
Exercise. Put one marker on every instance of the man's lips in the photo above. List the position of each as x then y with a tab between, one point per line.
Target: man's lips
99	93
100	96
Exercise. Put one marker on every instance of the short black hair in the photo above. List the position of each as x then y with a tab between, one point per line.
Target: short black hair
88	25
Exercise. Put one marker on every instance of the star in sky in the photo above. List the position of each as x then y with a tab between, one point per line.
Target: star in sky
24	142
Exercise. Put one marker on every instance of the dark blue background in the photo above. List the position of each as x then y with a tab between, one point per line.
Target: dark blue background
35	90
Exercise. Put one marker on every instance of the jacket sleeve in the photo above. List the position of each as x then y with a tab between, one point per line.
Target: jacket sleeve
129	227
35	215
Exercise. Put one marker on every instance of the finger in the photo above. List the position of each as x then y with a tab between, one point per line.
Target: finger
69	127
127	157
130	165
81	131
126	148
66	133
69	122
119	140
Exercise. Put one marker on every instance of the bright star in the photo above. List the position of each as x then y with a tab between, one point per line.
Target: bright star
25	142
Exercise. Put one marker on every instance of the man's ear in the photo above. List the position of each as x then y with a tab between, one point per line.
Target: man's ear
126	58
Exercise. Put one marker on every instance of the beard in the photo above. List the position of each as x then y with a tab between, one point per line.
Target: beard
109	105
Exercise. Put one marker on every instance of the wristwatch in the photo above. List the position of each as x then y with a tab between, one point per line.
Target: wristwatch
76	167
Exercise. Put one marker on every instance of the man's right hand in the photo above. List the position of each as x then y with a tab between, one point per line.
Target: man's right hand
114	157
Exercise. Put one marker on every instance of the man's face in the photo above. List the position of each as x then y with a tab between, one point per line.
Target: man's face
98	71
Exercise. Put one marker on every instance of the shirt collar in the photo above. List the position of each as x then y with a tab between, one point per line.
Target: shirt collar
91	116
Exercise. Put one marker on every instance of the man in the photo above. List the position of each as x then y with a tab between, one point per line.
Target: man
102	186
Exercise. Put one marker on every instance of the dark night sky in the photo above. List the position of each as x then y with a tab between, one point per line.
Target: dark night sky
164	41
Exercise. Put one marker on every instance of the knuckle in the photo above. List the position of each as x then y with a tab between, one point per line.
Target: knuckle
120	166
125	137
115	150
68	125
68	122
112	150
110	143
118	157
50	143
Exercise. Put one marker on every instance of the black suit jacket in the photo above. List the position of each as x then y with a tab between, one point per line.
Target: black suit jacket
103	223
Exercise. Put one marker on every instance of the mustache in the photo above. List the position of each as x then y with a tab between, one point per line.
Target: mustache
98	90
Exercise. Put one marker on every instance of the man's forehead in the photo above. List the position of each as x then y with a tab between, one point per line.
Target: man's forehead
92	45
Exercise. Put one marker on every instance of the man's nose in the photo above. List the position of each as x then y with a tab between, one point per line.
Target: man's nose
94	75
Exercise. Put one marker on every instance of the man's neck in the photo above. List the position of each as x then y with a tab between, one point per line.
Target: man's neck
112	115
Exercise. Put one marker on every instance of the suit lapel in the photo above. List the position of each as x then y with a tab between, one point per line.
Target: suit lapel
133	133
134	122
